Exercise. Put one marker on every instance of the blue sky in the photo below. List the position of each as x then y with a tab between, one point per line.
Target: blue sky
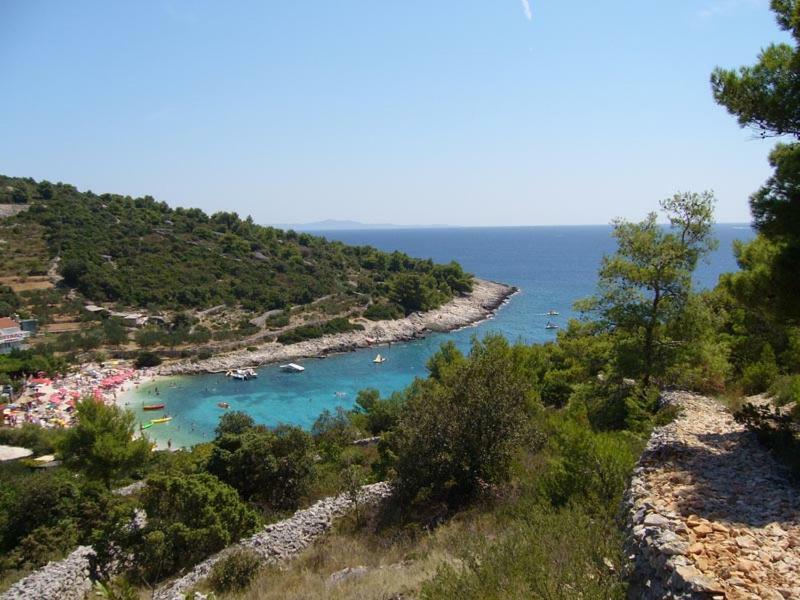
415	111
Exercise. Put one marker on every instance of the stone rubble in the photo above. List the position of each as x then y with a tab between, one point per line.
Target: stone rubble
282	541
66	579
480	304
710	514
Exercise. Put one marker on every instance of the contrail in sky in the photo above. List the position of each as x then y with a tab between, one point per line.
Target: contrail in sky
526	6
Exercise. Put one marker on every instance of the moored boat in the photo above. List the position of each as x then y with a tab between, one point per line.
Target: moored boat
223	405
551	325
292	368
153	406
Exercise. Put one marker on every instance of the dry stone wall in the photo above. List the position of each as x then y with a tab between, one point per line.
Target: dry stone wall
66	579
284	540
710	514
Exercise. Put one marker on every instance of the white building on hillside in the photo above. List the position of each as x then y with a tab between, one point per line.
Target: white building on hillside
11	335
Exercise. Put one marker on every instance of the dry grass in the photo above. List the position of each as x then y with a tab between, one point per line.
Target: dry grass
25	285
67	326
24	252
398	560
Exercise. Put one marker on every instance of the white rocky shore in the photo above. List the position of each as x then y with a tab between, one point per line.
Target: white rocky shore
480	304
710	513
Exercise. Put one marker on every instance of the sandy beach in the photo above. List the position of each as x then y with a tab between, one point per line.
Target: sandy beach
50	401
480	304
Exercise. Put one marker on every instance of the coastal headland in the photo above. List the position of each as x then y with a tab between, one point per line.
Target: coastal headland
479	304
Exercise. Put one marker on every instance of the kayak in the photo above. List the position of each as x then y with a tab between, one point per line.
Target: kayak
146	425
152	407
161	420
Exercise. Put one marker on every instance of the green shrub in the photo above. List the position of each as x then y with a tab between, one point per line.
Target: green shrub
587	468
310	332
561	554
456	436
270	467
118	588
147	359
785	390
383	311
758	376
375	414
555	389
38	439
188	518
775	430
333	431
235	571
281	320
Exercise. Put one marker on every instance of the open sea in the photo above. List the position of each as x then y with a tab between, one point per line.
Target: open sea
552	266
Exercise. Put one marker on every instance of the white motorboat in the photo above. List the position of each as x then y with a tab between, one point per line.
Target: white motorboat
292	368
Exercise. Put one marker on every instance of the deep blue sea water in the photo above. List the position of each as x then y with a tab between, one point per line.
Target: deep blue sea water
552	266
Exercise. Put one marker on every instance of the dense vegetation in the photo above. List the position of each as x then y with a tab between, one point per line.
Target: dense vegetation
760	328
141	253
307	332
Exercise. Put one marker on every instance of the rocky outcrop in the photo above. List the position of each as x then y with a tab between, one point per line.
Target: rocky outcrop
284	540
480	304
66	579
9	210
710	514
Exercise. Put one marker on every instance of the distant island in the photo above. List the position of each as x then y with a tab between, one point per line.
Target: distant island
345	225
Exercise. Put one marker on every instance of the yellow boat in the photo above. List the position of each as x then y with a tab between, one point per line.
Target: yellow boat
161	420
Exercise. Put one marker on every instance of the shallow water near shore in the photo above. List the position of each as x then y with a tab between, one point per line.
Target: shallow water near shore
552	266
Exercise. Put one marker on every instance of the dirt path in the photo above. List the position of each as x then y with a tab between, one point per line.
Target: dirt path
711	514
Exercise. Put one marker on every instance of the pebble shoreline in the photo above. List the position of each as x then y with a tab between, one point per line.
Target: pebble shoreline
480	304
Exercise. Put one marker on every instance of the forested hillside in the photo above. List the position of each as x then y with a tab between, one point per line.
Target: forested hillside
139	252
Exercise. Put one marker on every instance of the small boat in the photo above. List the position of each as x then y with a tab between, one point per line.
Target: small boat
292	368
146	426
379	359
553	313
223	405
237	374
551	325
161	420
152	407
250	374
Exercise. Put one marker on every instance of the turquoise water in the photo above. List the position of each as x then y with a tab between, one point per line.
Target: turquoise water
552	266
